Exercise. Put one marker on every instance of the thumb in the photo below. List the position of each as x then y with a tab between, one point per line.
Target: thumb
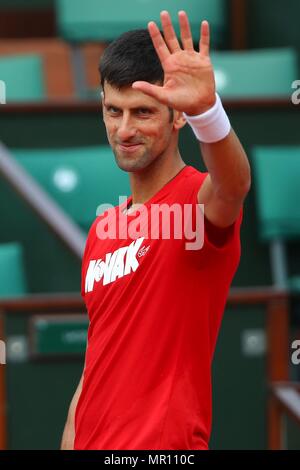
154	91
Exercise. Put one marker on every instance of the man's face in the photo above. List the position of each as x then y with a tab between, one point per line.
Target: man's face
138	127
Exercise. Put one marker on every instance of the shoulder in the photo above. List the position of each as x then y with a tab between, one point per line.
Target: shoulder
194	176
188	186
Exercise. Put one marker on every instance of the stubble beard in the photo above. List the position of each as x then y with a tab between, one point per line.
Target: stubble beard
133	163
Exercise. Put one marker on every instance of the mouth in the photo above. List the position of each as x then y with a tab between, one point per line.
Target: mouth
129	148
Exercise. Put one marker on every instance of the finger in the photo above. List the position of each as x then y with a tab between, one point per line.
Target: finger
154	91
169	33
185	31
204	39
158	42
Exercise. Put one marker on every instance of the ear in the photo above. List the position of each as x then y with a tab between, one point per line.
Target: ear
179	120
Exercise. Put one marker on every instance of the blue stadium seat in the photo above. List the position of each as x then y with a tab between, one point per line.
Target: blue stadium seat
79	179
277	176
263	73
23	77
12	275
91	20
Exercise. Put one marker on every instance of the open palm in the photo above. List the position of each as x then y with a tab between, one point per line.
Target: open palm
189	84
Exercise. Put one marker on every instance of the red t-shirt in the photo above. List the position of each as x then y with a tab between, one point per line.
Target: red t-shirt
155	310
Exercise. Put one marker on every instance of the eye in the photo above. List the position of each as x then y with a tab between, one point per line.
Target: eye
113	110
143	111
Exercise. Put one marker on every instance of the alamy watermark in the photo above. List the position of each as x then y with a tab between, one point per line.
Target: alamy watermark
295	358
296	94
2	352
157	221
2	92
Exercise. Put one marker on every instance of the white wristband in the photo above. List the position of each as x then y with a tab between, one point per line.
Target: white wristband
211	126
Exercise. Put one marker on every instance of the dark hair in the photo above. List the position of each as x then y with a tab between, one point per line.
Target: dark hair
129	58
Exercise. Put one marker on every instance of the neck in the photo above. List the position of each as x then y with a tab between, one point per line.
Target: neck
146	183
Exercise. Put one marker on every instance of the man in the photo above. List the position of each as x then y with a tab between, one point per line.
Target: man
155	307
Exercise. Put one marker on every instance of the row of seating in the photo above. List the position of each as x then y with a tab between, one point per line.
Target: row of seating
49	68
93	21
81	21
39	70
66	173
47	72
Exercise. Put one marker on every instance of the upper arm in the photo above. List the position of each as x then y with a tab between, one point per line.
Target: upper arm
219	211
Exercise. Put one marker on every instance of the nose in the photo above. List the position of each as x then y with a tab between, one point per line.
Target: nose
126	129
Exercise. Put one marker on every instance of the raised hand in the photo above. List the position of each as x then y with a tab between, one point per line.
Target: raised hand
189	84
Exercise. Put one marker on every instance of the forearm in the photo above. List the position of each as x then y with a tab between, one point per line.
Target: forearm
228	166
67	442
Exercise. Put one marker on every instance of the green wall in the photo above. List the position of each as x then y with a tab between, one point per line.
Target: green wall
273	23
